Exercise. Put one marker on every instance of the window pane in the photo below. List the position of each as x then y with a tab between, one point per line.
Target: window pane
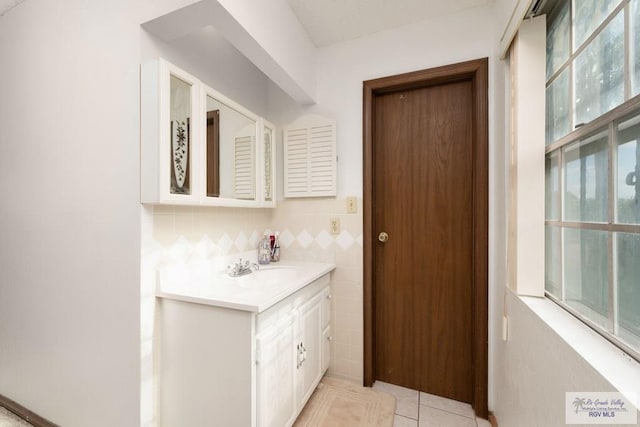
635	46
628	246
552	186
558	122
586	274
552	261
599	73
587	15
628	172
586	177
558	45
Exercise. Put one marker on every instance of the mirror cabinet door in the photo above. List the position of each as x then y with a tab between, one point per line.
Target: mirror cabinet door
180	141
213	152
230	152
269	163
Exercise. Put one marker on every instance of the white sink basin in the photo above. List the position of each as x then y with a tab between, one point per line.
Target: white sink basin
208	283
268	277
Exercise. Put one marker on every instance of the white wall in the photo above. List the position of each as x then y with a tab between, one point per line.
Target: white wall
70	221
538	367
342	68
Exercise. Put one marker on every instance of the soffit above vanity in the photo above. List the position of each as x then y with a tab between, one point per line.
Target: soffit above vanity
276	43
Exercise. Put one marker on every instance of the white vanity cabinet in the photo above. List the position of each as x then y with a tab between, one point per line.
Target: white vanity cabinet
231	367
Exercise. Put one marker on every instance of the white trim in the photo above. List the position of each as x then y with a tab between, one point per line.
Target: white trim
529	59
274	139
513	25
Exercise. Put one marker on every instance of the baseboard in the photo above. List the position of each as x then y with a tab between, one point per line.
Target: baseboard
24	413
493	420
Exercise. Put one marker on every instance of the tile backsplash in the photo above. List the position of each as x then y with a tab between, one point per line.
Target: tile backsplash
178	234
229	230
306	223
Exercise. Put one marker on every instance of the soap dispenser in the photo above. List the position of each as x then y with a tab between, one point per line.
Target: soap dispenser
264	250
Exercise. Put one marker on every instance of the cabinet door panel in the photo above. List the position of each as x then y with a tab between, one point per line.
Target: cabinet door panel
276	404
326	348
310	370
326	307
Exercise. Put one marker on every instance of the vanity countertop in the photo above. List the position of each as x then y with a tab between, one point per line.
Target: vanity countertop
255	292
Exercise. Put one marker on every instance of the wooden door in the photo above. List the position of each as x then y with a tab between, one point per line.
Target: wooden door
424	279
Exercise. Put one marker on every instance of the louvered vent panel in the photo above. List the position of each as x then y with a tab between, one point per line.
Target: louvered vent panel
244	179
310	158
322	164
296	162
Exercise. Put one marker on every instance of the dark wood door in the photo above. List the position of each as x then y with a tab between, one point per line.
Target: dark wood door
423	274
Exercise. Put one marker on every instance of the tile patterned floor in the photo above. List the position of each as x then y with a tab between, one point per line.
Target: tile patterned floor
418	409
8	419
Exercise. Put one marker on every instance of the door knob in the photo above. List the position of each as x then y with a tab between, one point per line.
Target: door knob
383	237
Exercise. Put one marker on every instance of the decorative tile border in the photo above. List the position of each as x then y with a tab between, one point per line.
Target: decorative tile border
182	249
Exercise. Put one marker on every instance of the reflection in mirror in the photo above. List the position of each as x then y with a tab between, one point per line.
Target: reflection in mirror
213	153
231	150
180	135
268	138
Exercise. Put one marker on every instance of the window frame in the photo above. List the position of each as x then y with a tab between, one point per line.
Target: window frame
608	121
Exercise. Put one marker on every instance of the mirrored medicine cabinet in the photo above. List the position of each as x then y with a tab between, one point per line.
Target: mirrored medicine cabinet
199	147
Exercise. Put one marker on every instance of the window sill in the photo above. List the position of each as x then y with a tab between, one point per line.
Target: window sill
615	366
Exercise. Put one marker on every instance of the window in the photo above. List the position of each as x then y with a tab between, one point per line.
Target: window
592	179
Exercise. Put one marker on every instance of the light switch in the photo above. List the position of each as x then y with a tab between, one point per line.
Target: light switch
352	205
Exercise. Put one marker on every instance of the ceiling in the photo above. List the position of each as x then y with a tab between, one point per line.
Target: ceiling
333	21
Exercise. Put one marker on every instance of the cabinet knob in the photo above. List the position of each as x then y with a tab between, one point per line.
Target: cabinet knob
329	338
329	296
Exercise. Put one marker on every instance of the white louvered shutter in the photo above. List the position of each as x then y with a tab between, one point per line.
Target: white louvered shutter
244	180
310	158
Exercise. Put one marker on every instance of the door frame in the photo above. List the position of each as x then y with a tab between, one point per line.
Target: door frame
475	71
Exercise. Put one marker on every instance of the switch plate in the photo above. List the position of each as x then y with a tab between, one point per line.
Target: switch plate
352	205
334	226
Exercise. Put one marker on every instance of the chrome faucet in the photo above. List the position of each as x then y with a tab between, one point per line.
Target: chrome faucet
241	268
